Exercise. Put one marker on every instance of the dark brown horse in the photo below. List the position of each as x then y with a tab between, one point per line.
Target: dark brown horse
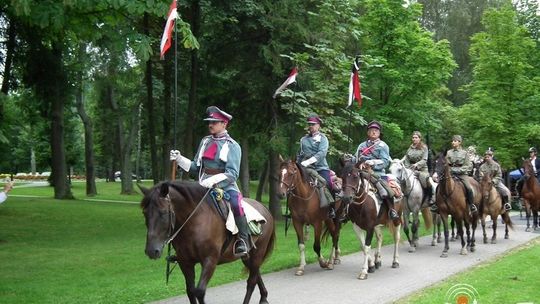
181	211
303	201
492	205
531	194
362	207
451	200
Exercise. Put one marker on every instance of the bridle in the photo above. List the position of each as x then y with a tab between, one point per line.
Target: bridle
361	185
292	186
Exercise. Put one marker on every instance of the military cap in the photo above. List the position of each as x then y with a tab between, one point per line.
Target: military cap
215	114
314	119
489	152
532	149
457	138
374	124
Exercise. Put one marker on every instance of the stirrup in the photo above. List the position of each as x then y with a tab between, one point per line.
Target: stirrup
331	213
507	206
473	208
239	250
393	214
434	208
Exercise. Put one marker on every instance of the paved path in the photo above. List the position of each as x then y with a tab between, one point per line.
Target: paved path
341	286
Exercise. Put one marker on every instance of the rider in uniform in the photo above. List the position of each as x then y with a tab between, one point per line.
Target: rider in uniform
493	169
535	162
460	166
376	153
313	150
416	159
217	164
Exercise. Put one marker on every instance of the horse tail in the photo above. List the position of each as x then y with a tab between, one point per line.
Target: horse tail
428	217
271	243
507	220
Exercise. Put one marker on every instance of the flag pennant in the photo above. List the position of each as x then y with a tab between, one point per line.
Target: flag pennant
354	86
167	32
287	82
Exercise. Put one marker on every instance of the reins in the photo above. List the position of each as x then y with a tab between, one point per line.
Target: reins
168	198
292	187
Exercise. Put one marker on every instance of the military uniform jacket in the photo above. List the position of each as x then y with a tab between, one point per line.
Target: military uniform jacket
416	156
315	145
492	169
458	161
376	149
218	154
536	166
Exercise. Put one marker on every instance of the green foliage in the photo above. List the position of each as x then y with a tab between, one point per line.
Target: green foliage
504	90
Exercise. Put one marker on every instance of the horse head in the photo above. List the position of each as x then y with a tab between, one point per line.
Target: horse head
441	166
527	168
159	218
352	181
486	184
288	174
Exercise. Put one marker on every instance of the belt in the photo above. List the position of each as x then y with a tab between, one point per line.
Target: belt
213	171
455	165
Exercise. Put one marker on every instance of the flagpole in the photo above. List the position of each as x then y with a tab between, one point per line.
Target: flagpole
175	99
291	122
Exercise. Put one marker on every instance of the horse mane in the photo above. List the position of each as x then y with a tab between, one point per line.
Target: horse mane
185	188
303	172
347	167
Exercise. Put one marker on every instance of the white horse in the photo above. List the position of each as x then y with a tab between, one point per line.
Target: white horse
412	202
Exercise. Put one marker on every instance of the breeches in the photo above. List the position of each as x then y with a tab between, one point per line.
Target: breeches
326	175
236	202
503	190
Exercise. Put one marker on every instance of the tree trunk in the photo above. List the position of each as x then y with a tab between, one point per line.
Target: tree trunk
275	203
244	169
263	178
195	26
10	49
150	111
88	142
56	97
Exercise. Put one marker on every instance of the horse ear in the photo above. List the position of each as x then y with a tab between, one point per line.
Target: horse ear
281	159
143	189
164	189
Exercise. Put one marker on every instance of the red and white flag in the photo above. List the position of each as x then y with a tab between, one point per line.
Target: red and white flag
354	86
169	26
288	81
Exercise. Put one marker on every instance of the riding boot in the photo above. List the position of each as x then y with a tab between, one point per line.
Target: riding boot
241	246
331	211
382	191
506	204
392	213
470	202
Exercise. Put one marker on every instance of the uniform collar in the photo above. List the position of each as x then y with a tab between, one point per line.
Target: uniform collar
221	135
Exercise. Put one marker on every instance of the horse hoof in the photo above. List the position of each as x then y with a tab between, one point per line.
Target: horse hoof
433	243
371	269
299	272
378	265
439	240
444	255
493	241
527	229
395	265
463	251
323	264
330	266
412	249
337	261
263	302
452	239
506	237
362	276
473	248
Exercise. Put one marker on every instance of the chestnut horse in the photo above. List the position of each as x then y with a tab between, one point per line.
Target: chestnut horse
451	200
531	194
180	212
492	205
362	207
303	202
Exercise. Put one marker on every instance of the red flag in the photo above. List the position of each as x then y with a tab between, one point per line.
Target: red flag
166	38
354	86
288	81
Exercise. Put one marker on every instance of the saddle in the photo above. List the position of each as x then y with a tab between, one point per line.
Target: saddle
254	218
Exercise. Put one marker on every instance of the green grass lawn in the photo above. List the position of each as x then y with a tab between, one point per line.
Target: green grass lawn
76	251
512	279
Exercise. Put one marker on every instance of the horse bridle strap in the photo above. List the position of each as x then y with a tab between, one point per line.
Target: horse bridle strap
190	215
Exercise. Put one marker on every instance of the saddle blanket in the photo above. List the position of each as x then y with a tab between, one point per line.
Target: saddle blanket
251	215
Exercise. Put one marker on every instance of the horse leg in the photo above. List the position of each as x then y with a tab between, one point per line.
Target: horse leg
262	289
254	278
494	237
377	254
298	227
439	223
459	226
453	224
415	225
361	235
535	220
317	227
473	227
528	216
444	220
334	255
406	230
483	223
188	269
397	236
208	267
